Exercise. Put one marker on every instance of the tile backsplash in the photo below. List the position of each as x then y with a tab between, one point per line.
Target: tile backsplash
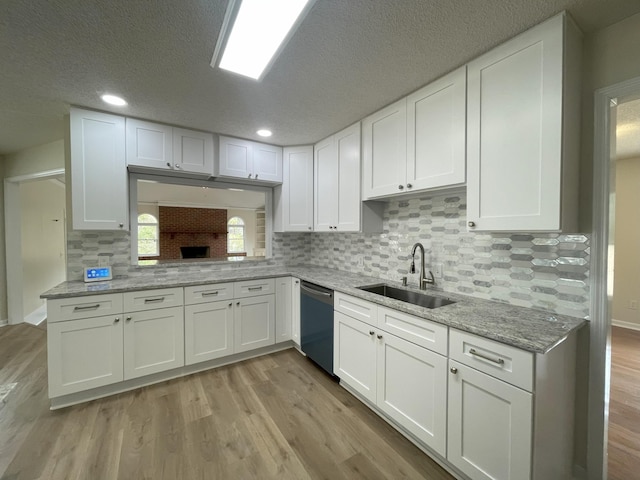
548	271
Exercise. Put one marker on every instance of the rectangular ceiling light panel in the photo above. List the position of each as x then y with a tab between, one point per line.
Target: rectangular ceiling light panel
260	28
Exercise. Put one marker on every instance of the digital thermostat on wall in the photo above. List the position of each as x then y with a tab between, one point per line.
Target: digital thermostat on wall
97	274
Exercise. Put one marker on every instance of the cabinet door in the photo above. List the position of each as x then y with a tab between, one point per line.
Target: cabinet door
283	309
436	133
296	195
489	424
514	132
384	143
153	341
193	151
149	144
354	355
295	311
100	199
347	144
84	354
325	164
208	331
236	158
254	323
412	389
267	163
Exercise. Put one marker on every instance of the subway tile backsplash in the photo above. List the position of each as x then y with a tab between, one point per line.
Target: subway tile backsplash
547	271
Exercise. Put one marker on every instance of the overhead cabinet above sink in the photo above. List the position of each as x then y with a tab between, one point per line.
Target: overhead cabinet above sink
249	161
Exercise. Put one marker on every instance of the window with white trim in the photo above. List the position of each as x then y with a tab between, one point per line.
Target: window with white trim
148	236
235	235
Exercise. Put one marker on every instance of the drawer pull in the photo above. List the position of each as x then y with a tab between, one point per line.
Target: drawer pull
154	300
210	294
88	307
499	361
253	289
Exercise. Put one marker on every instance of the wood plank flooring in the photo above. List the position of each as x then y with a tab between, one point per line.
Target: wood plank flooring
624	405
274	417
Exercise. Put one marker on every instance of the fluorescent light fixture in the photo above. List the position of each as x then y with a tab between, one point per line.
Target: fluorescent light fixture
263	132
260	29
113	100
235	189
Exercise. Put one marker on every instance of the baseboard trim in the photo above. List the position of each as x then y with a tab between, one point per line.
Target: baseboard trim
4	323
38	316
628	325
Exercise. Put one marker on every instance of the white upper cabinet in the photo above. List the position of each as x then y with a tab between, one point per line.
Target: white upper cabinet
522	124
384	146
244	159
293	200
192	151
417	143
100	199
163	147
436	128
337	204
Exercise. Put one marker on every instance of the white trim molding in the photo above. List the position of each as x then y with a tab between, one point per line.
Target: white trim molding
601	278
627	325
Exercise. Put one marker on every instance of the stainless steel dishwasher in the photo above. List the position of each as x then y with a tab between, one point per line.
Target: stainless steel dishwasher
316	324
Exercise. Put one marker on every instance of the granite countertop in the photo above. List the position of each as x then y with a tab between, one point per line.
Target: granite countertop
529	329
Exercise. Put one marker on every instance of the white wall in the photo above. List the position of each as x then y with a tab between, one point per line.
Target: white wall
627	242
249	217
43	240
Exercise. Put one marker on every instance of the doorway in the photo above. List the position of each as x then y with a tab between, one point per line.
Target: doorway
614	220
35	228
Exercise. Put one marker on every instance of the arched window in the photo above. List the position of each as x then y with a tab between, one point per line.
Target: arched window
148	245
235	235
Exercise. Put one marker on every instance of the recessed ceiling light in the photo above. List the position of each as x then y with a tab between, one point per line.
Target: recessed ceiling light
113	100
260	29
264	132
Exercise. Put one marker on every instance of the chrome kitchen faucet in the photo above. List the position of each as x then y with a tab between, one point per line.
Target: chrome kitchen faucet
412	269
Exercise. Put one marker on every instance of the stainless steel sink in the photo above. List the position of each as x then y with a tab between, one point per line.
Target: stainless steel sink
408	296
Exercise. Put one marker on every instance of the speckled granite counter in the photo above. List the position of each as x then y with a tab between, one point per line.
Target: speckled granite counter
525	328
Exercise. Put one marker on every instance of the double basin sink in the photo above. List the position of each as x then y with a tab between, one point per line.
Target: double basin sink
415	298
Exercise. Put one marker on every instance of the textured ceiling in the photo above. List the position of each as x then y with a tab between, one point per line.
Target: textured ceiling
346	60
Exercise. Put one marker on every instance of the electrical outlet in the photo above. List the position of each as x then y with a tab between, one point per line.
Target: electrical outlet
437	270
633	304
360	261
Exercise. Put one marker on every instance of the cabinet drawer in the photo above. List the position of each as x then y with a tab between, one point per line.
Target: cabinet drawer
507	363
356	308
251	288
208	293
62	309
414	329
151	299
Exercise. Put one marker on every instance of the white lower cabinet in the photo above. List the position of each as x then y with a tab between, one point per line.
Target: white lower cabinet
490	426
84	353
253	319
405	381
208	331
153	341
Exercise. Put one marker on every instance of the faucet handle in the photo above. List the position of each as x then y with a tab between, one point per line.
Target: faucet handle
430	279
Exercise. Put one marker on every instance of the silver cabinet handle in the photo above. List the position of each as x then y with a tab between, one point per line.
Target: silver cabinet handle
238	303
210	294
371	332
177	166
409	185
249	176
255	176
121	225
117	319
154	300
453	370
379	337
128	319
87	307
231	304
169	164
254	289
400	187
471	224
499	361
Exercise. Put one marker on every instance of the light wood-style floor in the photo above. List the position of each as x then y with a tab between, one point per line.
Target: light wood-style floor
277	416
624	405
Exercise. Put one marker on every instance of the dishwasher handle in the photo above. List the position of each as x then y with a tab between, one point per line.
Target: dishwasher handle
317	292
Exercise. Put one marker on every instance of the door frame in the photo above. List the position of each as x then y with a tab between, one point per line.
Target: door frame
601	277
13	239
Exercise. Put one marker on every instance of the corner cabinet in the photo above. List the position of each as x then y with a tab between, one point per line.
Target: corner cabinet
522	131
337	203
293	200
417	143
249	161
99	187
